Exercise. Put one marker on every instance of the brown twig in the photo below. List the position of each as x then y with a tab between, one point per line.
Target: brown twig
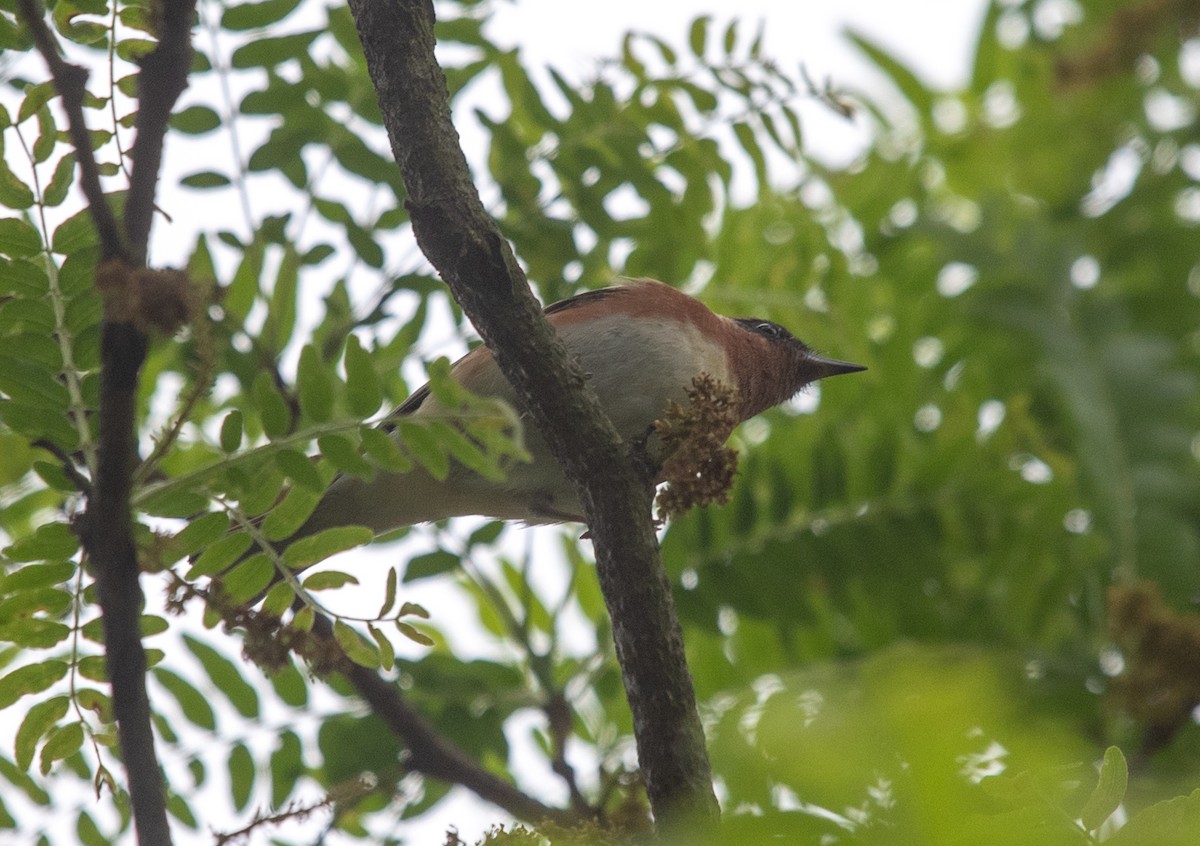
70	81
268	642
108	538
431	753
559	717
70	469
460	239
163	77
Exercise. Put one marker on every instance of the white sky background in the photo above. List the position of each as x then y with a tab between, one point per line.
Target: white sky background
936	37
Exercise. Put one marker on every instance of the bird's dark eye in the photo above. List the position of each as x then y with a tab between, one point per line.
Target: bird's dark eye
765	328
771	330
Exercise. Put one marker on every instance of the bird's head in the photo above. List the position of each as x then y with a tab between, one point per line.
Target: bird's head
772	365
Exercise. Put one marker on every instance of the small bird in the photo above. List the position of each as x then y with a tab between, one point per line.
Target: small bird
641	345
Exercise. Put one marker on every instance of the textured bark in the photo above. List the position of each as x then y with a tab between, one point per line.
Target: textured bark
463	243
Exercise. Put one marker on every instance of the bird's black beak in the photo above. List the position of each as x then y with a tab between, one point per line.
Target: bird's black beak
823	367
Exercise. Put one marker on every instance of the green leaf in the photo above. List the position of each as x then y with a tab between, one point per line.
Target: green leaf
260	489
34	632
206	179
62	743
243	290
34	576
74	235
220	555
387	653
49	542
60	182
19	614
178	807
389	593
272	409
381	448
430	564
89	833
445	388
317	254
425	447
191	701
14	193
94	667
201	532
318	547
355	647
54	476
35	97
365	246
698	35
290	686
343	455
362	383
413	609
1109	792
18	238
414	634
289	515
256	15
135	49
901	75
24	278
39	720
226	677
47	138
33	678
278	600
315	385
465	452
231	431
328	580
1170	823
174	503
731	37
287	767
241	775
268	52
250	578
281	316
304	619
300	469
39	422
195	120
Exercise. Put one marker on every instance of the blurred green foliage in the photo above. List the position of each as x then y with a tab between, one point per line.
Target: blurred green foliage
930	607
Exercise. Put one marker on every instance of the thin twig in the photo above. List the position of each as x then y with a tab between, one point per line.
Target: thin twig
70	81
82	483
431	753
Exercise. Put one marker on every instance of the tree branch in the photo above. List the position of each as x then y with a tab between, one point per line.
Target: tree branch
108	539
107	526
463	243
163	77
432	754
